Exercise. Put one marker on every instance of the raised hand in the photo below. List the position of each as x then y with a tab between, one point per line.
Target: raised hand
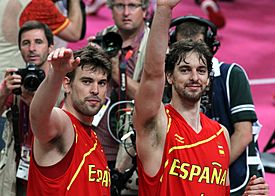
62	60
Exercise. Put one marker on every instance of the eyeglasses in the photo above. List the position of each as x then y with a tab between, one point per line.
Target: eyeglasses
131	6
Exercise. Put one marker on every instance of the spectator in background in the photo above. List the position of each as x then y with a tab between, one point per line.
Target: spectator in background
231	103
15	13
35	43
129	18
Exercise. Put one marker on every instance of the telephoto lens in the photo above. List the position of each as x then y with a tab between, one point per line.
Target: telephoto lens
111	43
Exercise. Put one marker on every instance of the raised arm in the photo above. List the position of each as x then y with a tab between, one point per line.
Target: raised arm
73	31
149	96
149	116
48	122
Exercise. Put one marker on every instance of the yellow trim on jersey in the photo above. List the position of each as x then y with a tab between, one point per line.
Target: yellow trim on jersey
169	120
216	163
65	24
197	143
81	164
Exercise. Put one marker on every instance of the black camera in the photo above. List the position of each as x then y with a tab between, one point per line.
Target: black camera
32	76
111	43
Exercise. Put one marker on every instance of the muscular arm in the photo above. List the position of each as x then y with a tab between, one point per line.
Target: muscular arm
149	116
51	126
69	28
240	139
73	31
149	94
242	112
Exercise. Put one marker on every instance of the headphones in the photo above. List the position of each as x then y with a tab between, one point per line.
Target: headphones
210	34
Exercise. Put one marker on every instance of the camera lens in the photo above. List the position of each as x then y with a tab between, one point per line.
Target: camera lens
31	82
112	43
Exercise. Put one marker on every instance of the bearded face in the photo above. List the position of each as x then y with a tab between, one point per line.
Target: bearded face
189	78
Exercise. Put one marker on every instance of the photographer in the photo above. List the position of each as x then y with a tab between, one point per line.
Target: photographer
70	27
16	92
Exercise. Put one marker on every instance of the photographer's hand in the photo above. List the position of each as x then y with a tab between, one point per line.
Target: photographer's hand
91	41
11	81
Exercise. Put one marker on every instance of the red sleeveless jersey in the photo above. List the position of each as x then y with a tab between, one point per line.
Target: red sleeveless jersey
88	173
192	164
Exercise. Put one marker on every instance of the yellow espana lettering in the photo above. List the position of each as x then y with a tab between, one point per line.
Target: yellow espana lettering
222	182
215	176
99	175
105	179
184	171
91	172
195	171
173	167
205	175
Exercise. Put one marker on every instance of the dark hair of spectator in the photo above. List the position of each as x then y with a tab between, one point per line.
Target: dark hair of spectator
33	24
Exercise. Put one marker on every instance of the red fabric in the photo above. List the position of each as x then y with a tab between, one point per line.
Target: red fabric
59	168
88	173
193	159
9	101
46	12
227	190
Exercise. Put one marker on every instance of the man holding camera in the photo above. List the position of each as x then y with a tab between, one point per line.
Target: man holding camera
35	41
15	13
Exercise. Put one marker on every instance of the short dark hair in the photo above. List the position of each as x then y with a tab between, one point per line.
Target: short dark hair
180	49
33	24
190	30
94	58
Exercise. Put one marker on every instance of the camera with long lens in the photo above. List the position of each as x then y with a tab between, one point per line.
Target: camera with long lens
32	76
111	43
